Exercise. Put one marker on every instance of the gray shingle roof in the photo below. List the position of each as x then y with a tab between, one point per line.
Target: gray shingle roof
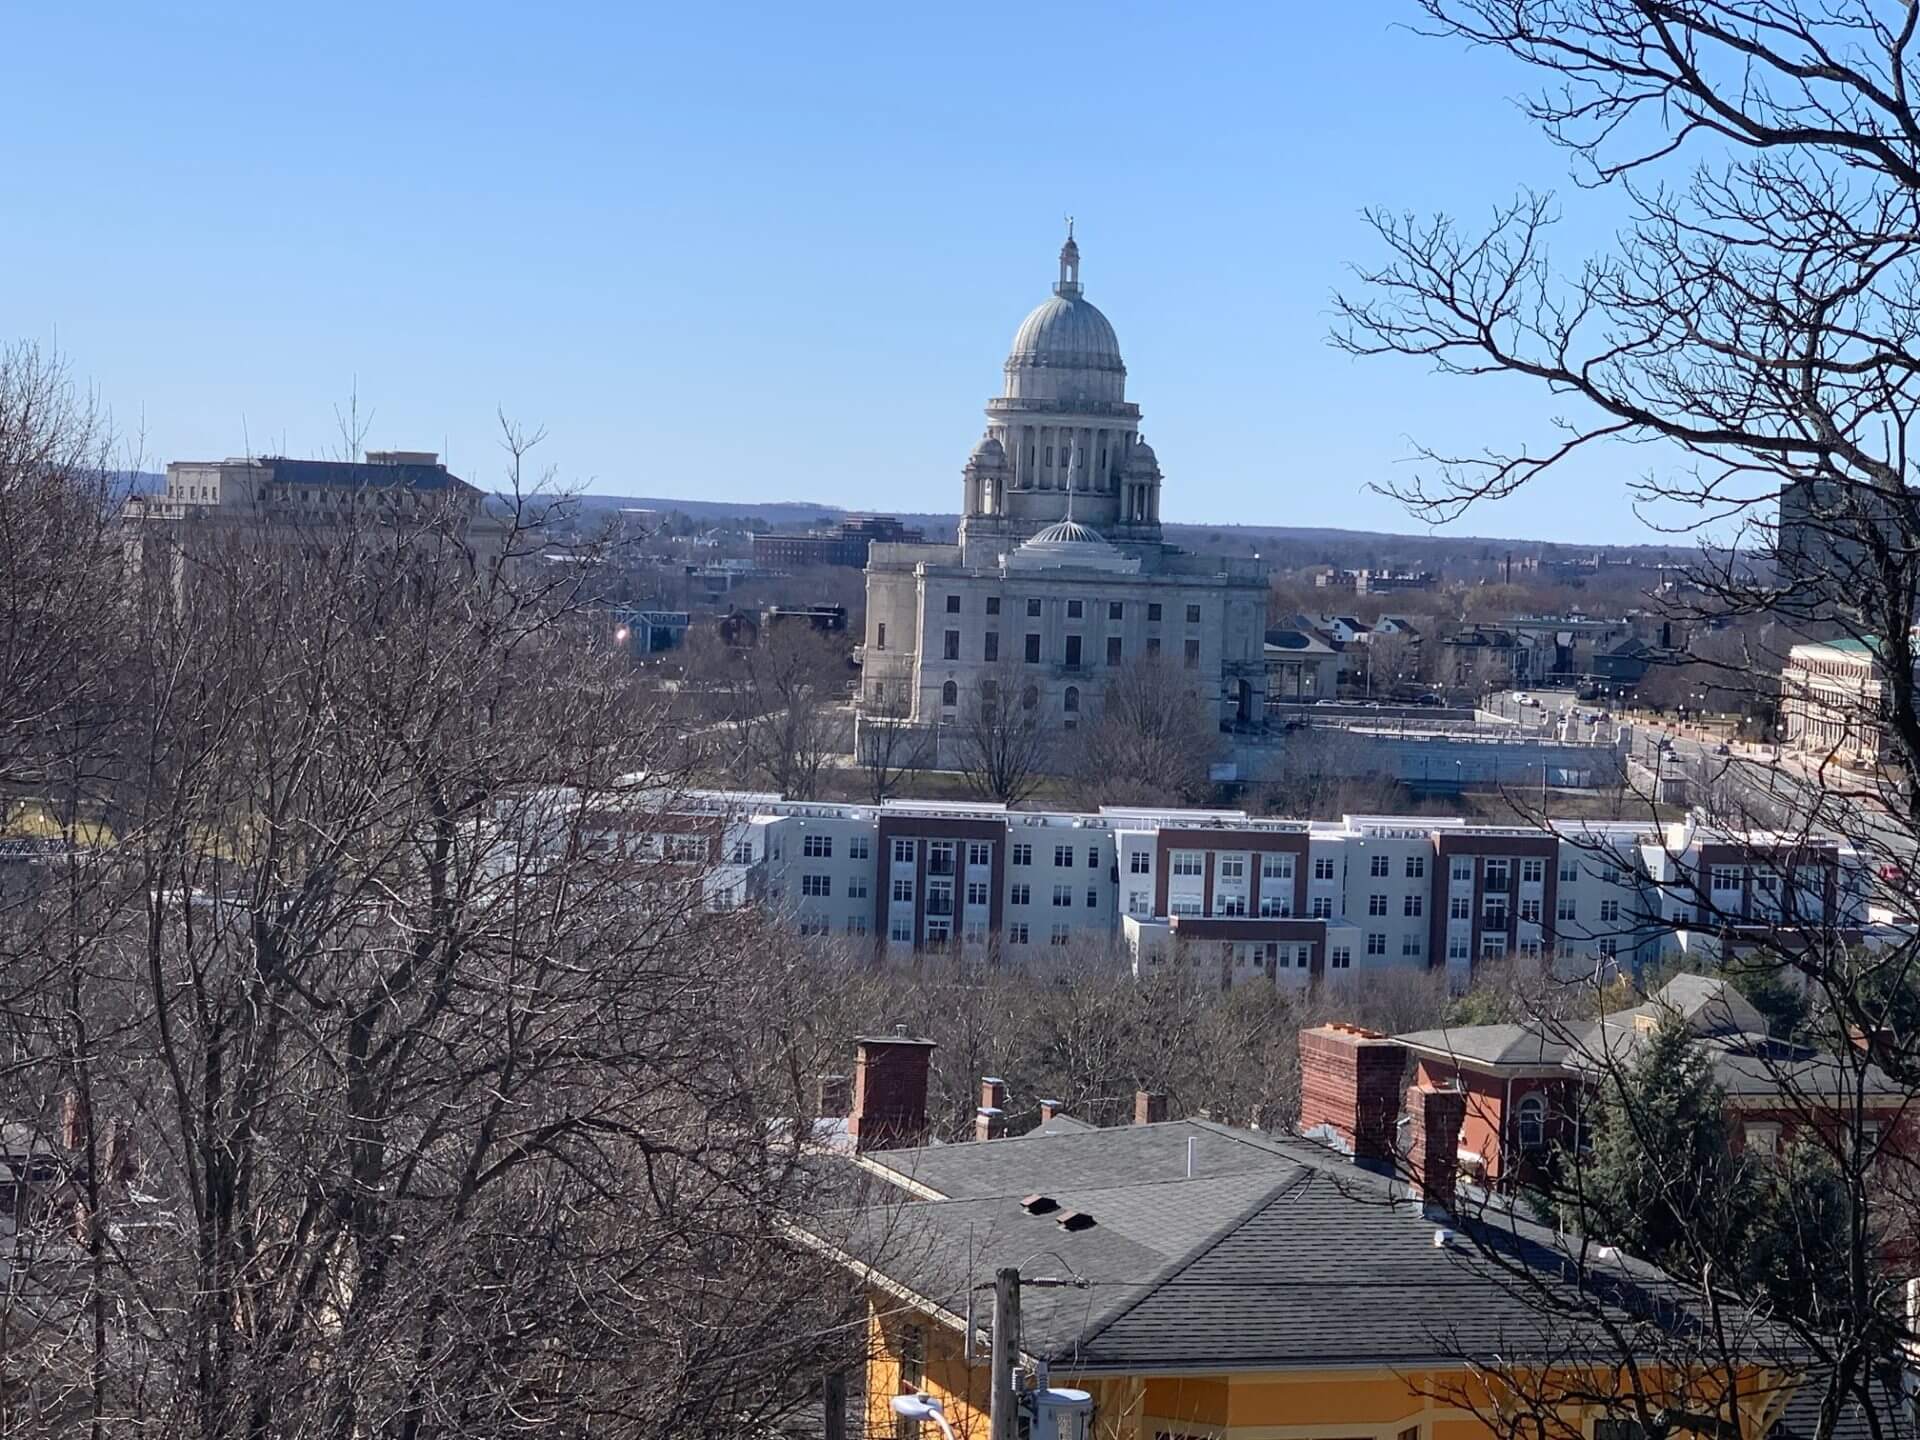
1492	1044
1279	1254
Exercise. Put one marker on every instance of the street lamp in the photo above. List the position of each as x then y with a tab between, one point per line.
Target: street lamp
922	1407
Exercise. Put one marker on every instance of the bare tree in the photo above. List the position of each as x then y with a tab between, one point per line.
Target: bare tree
785	706
1754	327
891	750
1002	737
386	1073
1151	740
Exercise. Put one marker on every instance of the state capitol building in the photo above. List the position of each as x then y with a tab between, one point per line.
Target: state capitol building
1061	576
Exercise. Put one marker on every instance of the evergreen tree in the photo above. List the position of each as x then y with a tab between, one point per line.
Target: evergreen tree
1659	1181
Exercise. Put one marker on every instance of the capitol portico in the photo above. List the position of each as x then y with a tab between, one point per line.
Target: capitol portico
1061	577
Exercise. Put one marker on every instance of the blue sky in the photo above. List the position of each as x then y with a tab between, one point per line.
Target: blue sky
762	252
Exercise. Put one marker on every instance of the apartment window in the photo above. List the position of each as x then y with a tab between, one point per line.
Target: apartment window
1113	650
1496	875
1495	915
1460	907
1493	946
1416	867
1532	872
1033	649
1184	905
1033	609
990	646
1569	871
1137	902
1062	897
857	848
1462	868
1188	862
1093	857
979	852
856	925
953	604
880	636
1376	904
819	885
1530	949
1153	647
1276	867
1193	654
1059	935
1093	898
1072	659
1062	855
1140	863
1021	894
903	892
1322	907
949	695
1609	947
976	892
1231	867
1153	614
857	887
1726	877
1566	909
993	604
903	852
1022	853
1457	947
1379	866
1115	610
1275	906
1410	945
1609	912
1610	875
1530	911
900	927
1323	868
1193	614
1376	942
1017	933
742	853
1075	610
1340	957
1411	905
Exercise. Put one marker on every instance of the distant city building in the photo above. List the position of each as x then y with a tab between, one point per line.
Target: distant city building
648	631
828	619
1375	582
1060	577
274	500
1300	666
1833	699
1824	528
846	546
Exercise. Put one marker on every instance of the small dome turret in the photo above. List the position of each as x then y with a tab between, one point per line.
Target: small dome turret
989	454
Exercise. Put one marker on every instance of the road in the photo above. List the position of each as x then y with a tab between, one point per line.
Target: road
1752	785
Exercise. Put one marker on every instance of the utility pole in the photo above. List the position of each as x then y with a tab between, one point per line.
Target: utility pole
1004	1402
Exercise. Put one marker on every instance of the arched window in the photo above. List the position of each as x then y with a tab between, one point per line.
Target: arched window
1029	697
949	694
1530	1121
1073	699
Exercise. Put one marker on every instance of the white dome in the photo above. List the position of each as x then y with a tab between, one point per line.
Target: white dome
1066	332
1069	545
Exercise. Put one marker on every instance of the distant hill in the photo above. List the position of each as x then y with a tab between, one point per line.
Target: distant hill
1300	544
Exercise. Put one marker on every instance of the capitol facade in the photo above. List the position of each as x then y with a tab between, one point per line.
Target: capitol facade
1061	577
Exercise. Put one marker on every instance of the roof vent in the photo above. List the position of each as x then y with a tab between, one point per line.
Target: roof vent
1039	1204
1075	1220
1443	1239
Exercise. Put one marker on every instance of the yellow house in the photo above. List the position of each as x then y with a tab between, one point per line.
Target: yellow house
1201	1281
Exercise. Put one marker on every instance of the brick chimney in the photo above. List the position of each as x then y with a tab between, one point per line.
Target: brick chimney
993	1093
1049	1109
1350	1089
73	1122
836	1096
889	1090
1149	1107
1433	1149
989	1123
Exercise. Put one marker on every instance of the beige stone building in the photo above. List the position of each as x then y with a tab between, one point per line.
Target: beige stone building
1061	576
1833	700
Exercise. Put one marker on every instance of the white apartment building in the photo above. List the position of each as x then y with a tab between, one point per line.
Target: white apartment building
1235	899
